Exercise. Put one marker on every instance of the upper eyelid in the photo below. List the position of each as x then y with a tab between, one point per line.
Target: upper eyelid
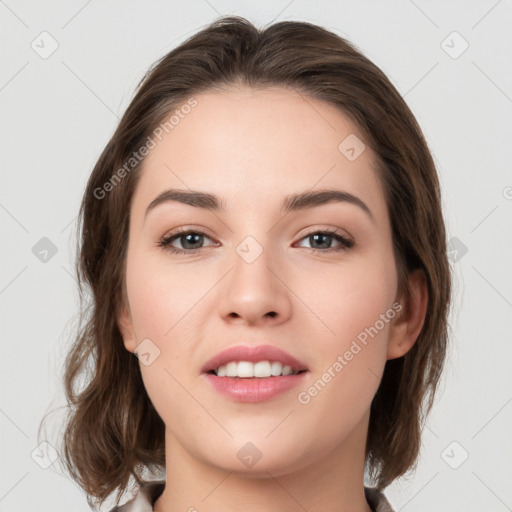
329	229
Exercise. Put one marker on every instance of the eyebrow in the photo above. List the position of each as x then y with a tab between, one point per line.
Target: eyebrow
290	203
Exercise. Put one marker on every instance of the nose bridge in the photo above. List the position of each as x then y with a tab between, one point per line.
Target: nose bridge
253	288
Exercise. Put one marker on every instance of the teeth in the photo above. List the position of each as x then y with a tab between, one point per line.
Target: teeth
261	369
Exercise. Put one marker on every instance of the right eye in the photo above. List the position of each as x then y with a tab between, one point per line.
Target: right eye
188	239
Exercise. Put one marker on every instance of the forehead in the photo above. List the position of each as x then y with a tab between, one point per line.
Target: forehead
257	144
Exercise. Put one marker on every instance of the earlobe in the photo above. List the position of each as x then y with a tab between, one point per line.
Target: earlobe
406	328
124	322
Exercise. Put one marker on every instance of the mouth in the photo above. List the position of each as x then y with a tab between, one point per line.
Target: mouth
258	370
253	361
254	374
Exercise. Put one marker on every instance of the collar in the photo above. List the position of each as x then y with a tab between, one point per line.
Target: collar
147	494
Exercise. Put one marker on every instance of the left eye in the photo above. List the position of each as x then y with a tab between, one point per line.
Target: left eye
191	241
320	237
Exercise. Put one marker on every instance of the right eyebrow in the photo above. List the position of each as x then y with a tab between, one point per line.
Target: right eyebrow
190	197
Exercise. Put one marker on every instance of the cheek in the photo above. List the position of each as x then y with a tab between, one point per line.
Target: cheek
160	295
347	298
347	373
355	307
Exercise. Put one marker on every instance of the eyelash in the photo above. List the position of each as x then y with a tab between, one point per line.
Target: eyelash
166	241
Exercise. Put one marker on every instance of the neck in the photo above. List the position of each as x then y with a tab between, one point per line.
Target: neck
333	482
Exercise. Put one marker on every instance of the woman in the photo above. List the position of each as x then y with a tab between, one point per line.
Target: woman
265	246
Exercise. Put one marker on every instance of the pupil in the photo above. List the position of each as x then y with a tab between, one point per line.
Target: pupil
327	245
186	237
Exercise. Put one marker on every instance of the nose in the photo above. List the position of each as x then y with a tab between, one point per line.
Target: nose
255	292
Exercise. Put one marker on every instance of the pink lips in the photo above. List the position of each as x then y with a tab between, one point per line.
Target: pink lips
253	355
254	389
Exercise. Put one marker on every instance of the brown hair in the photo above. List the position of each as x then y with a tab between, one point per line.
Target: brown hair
113	431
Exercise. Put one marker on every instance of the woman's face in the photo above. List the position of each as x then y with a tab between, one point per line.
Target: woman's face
253	273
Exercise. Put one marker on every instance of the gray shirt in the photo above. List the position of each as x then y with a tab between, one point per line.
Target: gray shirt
147	495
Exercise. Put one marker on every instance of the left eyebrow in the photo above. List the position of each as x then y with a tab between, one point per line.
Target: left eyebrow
320	197
290	203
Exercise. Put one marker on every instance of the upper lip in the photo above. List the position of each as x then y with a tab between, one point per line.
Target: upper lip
253	354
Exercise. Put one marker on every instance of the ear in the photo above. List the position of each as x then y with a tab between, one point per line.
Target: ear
406	327
124	322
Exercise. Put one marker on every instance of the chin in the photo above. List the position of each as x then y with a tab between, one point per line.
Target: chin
258	458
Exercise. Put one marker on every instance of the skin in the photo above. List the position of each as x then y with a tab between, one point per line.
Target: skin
251	148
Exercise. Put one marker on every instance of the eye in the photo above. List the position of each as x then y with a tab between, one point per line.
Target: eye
324	240
192	241
189	240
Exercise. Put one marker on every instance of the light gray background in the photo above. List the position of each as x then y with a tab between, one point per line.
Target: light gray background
58	113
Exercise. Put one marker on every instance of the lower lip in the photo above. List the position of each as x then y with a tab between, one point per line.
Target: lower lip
258	389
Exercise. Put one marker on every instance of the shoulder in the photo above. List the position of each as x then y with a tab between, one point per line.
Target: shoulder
143	499
377	501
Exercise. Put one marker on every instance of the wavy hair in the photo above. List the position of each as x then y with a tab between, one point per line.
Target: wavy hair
112	431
